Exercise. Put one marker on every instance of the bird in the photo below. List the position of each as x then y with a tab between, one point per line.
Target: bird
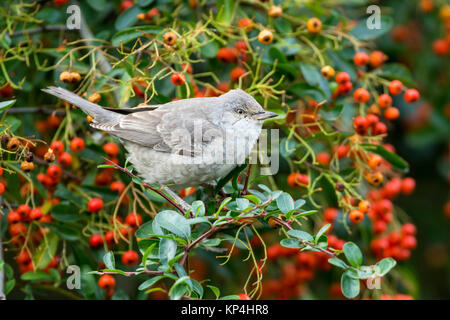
182	143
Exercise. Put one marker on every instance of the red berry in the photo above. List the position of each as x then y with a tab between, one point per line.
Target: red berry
408	185
227	55
95	205
77	144
36	214
379	128
330	214
372	119
384	101
360	124
361	59
344	88
395	87
109	237
24	211
133	219
111	149
177	78
237	73
118	186
2	188
243	296
57	147
323	158
342	77
96	241
411	95
409	242
13	217
409	229
106	282
130	258
54	171
65	159
23	257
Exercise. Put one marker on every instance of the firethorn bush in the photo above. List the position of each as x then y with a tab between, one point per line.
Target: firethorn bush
327	219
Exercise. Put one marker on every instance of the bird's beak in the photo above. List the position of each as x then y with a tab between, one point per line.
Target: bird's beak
264	115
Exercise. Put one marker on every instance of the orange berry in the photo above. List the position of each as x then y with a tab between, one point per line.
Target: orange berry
57	147
327	72
361	59
314	25
377	58
275	11
170	38
391	113
265	36
65	159
246	23
361	95
395	87
356	216
384	100
364	206
374	161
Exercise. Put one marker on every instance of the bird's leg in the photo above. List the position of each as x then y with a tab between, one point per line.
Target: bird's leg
178	199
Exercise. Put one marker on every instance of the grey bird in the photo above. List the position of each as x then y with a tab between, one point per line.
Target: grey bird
185	142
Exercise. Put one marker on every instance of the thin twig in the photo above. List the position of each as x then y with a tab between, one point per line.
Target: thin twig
147	186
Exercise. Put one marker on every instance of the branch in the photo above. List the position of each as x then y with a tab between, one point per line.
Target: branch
2	271
247	178
173	203
39	30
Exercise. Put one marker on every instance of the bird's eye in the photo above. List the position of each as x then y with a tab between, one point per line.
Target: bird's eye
240	111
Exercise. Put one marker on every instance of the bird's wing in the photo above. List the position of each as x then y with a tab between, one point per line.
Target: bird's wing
176	128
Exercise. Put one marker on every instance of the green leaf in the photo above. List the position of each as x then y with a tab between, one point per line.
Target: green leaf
333	114
144	3
311	74
338	263
65	212
301	235
349	285
175	223
145	230
198	207
353	254
282	25
291	243
397	71
109	260
304	89
36	276
167	250
322	231
396	161
46	251
97	5
9	285
285	203
384	266
215	290
361	32
226	11
127	35
127	18
5	105
150	282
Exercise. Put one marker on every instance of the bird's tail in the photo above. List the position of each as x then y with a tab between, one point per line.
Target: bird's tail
99	114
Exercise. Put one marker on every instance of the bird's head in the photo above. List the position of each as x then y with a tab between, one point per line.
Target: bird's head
240	107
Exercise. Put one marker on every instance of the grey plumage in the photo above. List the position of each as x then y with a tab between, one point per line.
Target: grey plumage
161	139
